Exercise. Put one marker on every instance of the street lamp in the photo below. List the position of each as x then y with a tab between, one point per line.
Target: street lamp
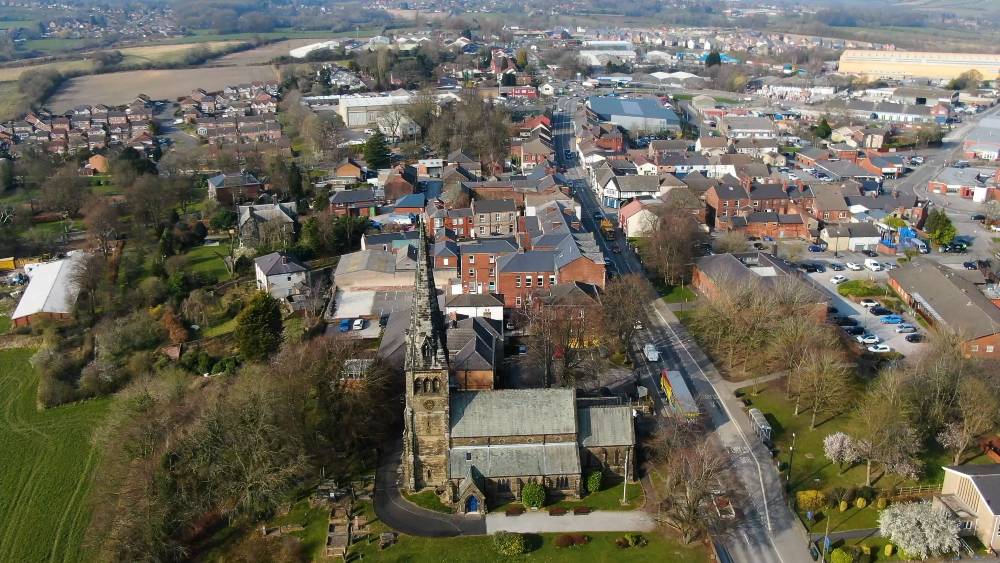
791	452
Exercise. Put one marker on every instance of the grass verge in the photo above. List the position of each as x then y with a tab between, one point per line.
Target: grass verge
428	500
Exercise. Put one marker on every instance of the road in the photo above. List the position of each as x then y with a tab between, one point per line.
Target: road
765	533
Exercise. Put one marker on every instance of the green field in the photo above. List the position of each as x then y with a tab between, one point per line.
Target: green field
9	24
205	260
10	97
51	45
45	468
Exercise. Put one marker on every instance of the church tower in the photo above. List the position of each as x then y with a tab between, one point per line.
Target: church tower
427	425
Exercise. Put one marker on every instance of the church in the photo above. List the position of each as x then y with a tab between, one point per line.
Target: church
476	447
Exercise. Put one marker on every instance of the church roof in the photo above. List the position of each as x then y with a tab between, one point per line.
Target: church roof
562	458
605	426
513	412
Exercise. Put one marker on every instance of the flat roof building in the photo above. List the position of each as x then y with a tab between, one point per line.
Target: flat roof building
642	114
905	64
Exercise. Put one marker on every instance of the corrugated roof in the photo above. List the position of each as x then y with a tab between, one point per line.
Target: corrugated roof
50	288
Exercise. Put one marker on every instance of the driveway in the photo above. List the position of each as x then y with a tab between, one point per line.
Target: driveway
408	518
597	521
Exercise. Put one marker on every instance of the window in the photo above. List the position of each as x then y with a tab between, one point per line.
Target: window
482	230
496	217
468	456
472	272
289	278
756	203
472	259
539	281
482	217
725	203
444	261
493	259
975	347
552	280
518	301
527	281
517	281
459	221
989	349
966	525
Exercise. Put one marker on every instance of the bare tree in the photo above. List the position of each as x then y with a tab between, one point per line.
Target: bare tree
625	301
730	242
90	277
886	434
821	383
977	410
103	222
670	248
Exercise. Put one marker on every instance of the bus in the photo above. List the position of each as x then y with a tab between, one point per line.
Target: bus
678	394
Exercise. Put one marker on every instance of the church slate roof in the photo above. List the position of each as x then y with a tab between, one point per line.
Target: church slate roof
605	426
513	412
561	458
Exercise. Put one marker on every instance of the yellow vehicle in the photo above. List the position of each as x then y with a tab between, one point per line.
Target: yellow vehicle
607	229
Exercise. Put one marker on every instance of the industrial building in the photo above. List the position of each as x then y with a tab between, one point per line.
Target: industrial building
907	64
645	114
365	110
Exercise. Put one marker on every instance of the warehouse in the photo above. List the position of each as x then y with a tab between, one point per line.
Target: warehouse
907	64
645	114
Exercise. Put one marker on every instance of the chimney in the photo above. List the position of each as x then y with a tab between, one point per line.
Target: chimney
284	259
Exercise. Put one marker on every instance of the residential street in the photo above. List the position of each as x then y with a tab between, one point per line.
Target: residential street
765	531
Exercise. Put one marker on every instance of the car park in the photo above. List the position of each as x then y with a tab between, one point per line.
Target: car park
891	320
838	279
873	265
868	303
879	349
870	253
836	267
905	328
880	311
816	248
853	267
868	338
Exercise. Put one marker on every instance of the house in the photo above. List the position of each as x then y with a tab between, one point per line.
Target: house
98	164
719	272
978	184
982	142
740	127
851	237
375	269
350	171
830	205
766	224
641	114
228	189
487	305
888	111
531	152
280	275
475	350
51	292
946	299
971	493
268	225
457	221
638	218
478	263
390	242
883	166
494	217
711	146
359	202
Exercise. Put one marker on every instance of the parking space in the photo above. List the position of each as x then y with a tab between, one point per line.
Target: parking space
871	323
370	304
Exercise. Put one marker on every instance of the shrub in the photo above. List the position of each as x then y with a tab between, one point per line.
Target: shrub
533	495
888	550
843	506
860	502
581	539
635	540
557	511
508	543
836	495
810	500
564	540
594	481
850	494
881	503
867	493
515	510
841	555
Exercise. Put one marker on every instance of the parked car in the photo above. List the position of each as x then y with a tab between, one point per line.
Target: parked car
879	349
955	248
359	324
891	320
816	248
838	279
880	311
383	321
868	303
916	160
854	330
845	321
970	265
889	265
979	217
870	253
853	267
345	325
905	328
868	338
914	338
836	267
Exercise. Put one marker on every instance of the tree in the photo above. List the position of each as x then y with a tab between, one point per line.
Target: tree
823	130
977	407
258	327
377	151
842	555
90	277
691	470
533	495
968	80
714	59
939	227
594	481
103	223
821	382
670	248
624	301
920	530
730	242
887	435
839	448
65	192
811	500
521	58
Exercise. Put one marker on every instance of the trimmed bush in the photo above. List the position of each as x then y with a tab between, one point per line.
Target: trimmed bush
594	481
881	503
533	495
810	500
635	540
840	555
889	549
557	511
564	540
860	502
843	506
580	539
508	543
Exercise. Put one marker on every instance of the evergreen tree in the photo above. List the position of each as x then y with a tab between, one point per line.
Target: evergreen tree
377	151
295	182
823	130
258	327
714	59
6	176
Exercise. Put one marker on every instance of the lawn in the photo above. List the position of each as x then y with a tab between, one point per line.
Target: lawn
225	327
45	470
428	500
541	547
204	259
609	497
810	468
678	294
315	522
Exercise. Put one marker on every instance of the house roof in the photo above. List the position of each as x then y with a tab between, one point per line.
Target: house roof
491	245
279	263
493	206
474	300
512	412
412	200
268	212
50	287
475	343
948	297
528	262
986	478
352	196
376	260
605	426
232	180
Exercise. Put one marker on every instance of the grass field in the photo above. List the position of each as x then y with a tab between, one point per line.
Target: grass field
205	260
810	468
45	470
10	96
168	53
13	73
8	24
51	45
541	548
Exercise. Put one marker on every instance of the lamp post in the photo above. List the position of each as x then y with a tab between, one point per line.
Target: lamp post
791	452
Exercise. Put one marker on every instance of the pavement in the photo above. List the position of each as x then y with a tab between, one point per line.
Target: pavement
597	521
765	531
408	518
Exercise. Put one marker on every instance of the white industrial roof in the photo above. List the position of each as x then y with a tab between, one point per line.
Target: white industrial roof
50	289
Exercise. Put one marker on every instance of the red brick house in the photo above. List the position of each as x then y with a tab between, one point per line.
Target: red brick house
478	268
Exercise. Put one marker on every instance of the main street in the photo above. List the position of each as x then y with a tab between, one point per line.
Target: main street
765	532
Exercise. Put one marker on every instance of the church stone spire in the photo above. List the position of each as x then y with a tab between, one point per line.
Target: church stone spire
425	341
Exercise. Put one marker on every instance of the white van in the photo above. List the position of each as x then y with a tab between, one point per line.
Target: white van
873	265
651	353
